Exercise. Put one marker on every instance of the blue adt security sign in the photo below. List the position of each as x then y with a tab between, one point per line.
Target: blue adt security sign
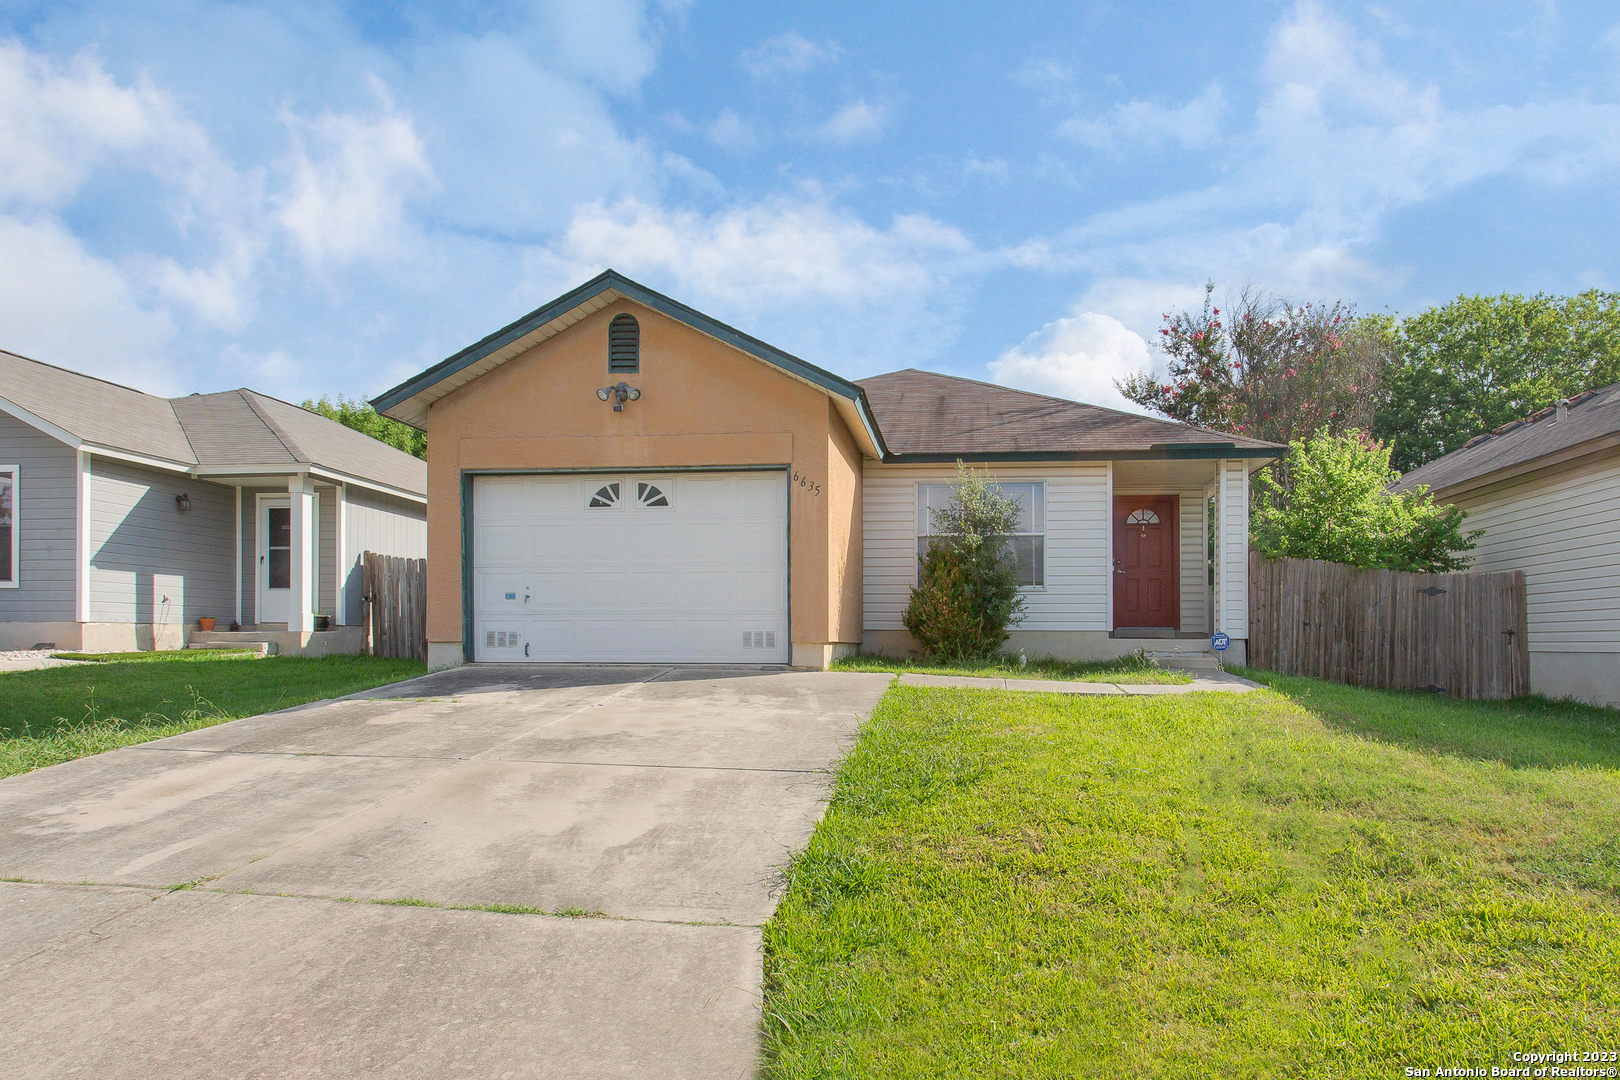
1220	642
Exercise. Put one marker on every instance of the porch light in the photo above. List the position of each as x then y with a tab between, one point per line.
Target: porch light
620	393
182	501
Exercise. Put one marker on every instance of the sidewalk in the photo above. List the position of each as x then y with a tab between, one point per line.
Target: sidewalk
1203	681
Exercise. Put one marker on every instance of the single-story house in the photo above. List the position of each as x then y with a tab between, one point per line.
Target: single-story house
1546	490
618	477
124	517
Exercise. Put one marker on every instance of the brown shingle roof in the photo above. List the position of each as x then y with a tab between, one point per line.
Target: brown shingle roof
927	415
236	427
1591	415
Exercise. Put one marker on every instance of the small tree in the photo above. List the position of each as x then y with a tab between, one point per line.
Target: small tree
1338	507
967	589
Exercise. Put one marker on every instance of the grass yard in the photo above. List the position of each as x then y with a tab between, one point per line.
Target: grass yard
1127	669
1311	881
55	714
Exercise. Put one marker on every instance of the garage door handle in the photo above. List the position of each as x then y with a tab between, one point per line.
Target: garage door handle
525	650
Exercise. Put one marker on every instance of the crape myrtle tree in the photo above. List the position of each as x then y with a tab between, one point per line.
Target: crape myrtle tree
967	585
1479	362
1268	367
360	416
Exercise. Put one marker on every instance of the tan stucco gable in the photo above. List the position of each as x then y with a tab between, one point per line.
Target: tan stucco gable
703	404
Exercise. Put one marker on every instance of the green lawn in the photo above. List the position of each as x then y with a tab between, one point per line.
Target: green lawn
1127	669
1312	881
59	713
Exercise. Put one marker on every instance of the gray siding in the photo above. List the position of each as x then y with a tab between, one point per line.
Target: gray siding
46	501
383	524
149	562
326	554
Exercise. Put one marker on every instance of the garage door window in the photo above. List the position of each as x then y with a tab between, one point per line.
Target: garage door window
651	495
606	497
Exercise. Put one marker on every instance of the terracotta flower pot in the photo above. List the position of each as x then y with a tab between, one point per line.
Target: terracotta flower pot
205	624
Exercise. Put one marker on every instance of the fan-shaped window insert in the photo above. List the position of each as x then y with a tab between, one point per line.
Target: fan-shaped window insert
624	345
651	495
606	497
1142	517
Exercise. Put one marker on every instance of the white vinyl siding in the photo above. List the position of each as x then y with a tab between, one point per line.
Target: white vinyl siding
1194	563
1564	533
1075	596
1231	491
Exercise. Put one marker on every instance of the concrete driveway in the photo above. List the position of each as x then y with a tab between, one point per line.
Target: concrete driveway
658	800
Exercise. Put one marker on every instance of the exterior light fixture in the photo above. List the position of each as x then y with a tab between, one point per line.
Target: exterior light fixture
182	502
619	394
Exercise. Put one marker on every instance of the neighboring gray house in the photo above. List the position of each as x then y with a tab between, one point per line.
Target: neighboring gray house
125	517
1546	490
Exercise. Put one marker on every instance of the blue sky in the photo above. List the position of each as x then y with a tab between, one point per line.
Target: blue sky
314	198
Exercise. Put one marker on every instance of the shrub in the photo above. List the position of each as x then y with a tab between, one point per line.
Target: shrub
967	587
1338	506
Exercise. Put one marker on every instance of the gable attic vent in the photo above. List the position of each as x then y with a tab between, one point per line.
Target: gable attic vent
624	345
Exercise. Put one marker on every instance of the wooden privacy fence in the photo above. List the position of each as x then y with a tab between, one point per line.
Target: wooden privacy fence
1456	634
394	590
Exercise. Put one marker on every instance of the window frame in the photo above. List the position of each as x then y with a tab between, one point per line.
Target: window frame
15	580
924	519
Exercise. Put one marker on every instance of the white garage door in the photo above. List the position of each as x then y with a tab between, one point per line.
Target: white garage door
685	568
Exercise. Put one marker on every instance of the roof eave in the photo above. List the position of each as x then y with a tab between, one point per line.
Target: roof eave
1150	454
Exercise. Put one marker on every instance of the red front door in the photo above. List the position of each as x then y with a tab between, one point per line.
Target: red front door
1147	581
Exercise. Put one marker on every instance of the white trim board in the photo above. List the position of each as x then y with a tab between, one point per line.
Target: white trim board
260	560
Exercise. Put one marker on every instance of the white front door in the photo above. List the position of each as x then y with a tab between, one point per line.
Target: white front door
273	596
690	567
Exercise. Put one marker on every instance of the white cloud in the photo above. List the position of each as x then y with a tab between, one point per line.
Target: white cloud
855	121
604	42
1194	124
1077	358
730	131
59	121
1338	143
348	200
60	304
790	52
800	273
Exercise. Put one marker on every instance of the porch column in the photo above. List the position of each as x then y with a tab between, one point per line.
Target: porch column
1232	556
301	606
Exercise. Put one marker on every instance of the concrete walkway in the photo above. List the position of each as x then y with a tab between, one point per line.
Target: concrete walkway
31	660
661	799
1203	681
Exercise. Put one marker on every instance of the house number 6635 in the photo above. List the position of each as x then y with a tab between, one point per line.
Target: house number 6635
807	484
